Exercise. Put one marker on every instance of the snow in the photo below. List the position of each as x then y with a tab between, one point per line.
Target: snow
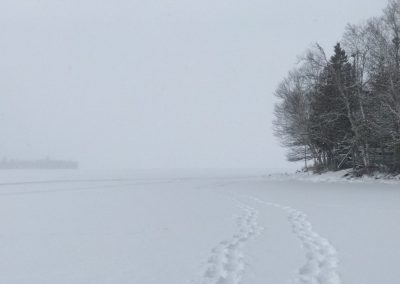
342	176
197	227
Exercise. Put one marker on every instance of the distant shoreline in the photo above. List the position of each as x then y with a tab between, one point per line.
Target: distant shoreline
13	164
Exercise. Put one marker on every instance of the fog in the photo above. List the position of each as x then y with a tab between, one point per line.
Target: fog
155	84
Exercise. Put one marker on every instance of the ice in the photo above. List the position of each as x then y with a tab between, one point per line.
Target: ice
197	227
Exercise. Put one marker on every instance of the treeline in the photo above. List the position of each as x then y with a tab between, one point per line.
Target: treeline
8	164
343	111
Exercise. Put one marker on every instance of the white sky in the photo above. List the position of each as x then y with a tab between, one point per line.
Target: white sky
155	83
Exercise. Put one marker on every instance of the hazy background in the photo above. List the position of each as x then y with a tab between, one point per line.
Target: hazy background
155	83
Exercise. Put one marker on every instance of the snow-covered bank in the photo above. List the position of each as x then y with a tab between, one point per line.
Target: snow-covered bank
336	177
199	229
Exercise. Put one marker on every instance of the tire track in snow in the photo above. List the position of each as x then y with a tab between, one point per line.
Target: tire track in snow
321	257
226	264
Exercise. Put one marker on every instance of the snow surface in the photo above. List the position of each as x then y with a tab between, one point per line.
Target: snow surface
197	227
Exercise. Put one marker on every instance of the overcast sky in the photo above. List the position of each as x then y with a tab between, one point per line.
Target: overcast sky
155	83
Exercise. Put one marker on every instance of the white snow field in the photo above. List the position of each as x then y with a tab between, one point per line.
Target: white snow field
195	228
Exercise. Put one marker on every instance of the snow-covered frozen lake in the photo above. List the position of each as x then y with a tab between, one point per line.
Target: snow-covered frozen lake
196	228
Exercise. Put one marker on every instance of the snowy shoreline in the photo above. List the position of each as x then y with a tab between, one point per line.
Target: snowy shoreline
343	176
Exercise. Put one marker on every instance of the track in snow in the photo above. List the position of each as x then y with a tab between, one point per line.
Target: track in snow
226	264
321	257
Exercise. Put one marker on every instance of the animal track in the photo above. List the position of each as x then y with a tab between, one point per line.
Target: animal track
321	257
227	264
